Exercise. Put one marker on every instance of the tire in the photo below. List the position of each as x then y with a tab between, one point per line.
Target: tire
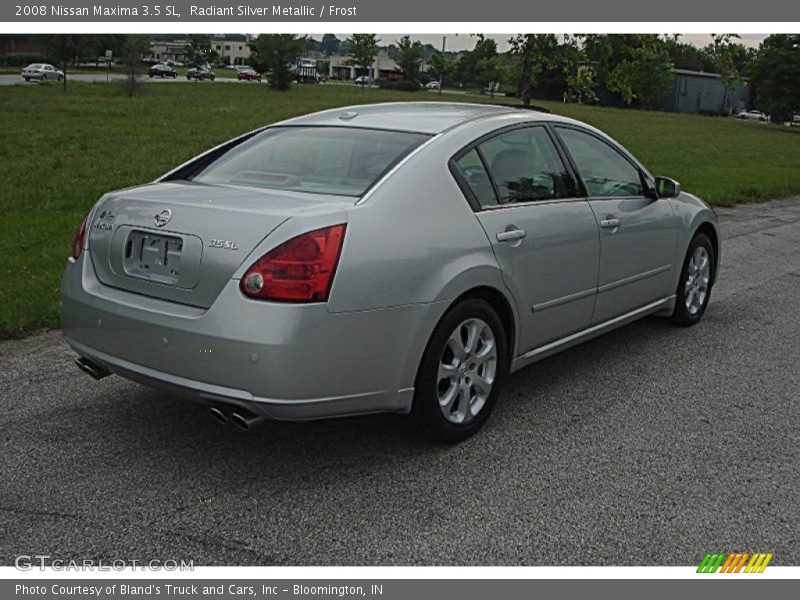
696	281
60	78
453	407
27	79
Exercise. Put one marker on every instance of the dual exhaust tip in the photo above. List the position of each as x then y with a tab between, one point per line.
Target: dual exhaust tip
91	368
242	418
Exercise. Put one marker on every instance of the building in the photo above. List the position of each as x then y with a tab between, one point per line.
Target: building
174	50
19	50
19	44
701	92
234	50
384	66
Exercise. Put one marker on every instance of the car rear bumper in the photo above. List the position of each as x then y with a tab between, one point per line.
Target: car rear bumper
270	408
288	362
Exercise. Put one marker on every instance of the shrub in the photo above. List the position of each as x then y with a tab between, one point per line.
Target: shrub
401	85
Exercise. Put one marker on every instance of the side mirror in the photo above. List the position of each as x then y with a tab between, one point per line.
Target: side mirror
667	188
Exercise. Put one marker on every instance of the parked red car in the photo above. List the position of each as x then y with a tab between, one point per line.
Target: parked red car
248	76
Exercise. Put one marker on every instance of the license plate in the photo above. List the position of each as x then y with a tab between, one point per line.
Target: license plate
155	257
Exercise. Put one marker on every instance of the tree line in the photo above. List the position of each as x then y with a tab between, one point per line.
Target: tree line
635	68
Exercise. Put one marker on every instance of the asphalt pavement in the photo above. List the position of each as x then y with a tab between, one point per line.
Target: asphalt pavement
651	445
102	78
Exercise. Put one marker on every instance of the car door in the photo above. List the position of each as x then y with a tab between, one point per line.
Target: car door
638	232
543	234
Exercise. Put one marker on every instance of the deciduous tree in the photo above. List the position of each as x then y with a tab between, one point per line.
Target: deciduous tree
362	48
65	49
775	76
534	53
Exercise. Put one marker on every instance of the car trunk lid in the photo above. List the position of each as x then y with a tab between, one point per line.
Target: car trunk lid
182	241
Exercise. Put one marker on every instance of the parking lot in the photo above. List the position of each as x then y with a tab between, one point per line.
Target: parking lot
651	445
102	78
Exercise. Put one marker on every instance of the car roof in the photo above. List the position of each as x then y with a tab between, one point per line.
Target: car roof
418	117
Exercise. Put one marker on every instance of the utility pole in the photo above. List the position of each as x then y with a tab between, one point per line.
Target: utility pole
441	75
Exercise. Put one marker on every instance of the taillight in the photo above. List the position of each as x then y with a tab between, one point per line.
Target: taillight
80	236
300	270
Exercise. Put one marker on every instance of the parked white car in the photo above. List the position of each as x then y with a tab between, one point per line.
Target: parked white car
433	85
753	115
42	72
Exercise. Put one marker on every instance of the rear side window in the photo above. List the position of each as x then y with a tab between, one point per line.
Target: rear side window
471	168
324	160
605	172
526	167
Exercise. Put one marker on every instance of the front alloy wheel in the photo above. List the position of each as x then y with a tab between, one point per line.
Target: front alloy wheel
697	278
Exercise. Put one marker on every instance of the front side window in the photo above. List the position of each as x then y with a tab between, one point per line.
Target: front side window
526	167
605	172
323	160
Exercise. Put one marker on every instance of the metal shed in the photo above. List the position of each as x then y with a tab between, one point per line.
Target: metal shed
700	92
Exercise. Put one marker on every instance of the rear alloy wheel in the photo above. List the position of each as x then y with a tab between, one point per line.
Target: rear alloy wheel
60	78
462	371
694	286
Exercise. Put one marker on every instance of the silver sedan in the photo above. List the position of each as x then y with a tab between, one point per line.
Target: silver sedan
386	258
42	72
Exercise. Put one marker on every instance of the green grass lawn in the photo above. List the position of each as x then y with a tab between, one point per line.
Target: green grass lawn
60	152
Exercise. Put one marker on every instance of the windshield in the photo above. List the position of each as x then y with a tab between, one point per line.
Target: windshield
324	160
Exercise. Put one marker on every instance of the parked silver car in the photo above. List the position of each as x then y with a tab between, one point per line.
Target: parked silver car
42	72
752	115
386	258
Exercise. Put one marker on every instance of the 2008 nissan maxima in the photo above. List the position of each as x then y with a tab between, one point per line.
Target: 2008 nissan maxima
386	258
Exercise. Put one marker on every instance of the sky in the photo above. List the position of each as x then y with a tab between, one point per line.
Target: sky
465	41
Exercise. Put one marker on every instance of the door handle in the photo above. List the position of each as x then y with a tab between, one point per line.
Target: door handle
511	235
609	223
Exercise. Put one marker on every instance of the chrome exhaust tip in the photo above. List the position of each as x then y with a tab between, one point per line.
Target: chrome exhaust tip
245	420
219	416
91	368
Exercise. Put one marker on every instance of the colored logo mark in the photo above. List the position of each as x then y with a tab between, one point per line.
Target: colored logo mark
734	562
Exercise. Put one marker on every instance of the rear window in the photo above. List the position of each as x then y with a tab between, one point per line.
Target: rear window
324	160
